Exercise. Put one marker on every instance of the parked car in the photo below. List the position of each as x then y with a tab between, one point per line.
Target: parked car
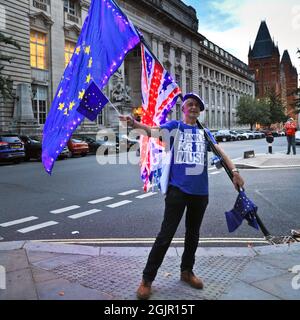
11	148
65	153
78	147
236	135
257	135
126	140
250	134
33	148
297	137
92	143
223	135
244	134
110	147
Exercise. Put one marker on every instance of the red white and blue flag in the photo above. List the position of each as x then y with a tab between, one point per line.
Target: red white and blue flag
159	95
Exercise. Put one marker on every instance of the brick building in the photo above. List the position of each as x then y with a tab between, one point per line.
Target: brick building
271	72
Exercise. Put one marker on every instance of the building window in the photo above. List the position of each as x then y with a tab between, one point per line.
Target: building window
206	95
69	49
38	50
40	103
178	79
213	100
70	7
188	85
100	118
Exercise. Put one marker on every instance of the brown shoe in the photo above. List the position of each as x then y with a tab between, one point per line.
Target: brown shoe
191	279
144	290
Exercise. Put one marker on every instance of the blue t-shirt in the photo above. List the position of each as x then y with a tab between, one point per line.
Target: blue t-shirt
188	169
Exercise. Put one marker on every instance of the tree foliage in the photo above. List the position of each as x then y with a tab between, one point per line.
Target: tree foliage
5	82
251	111
265	111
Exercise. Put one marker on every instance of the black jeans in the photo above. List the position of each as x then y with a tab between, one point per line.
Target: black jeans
291	142
175	203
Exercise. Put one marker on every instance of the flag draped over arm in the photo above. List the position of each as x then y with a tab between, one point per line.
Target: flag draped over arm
106	37
159	94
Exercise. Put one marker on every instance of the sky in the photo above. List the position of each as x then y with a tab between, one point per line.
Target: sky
233	24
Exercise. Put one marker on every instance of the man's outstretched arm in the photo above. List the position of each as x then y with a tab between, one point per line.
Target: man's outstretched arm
150	131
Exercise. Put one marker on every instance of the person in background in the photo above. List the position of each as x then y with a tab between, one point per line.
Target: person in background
290	130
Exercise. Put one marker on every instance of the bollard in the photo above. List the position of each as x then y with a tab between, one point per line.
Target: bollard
270	140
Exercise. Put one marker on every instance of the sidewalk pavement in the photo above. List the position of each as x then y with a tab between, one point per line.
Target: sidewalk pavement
32	270
268	161
49	271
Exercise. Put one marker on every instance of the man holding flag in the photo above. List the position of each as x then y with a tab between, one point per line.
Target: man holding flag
188	189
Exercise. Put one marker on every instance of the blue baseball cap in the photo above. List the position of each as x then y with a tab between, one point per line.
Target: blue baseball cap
196	97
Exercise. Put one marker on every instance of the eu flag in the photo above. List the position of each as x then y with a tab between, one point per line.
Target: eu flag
106	37
243	208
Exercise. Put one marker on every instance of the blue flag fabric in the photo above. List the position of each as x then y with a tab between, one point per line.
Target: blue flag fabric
92	103
244	208
105	39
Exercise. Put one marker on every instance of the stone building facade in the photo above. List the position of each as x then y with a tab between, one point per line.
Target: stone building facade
47	31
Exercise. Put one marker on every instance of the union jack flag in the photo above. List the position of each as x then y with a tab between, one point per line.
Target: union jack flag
159	94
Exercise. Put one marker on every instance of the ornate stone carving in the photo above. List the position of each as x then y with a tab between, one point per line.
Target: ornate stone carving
120	92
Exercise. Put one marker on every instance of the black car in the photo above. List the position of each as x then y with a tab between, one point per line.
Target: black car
11	148
33	148
93	143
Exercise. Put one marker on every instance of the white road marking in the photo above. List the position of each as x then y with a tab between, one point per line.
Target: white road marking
146	195
12	223
38	226
119	204
64	209
126	193
84	214
100	200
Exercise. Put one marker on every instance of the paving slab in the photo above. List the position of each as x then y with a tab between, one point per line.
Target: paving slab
11	245
61	289
61	260
283	261
126	251
280	286
36	256
62	248
19	286
257	270
14	260
40	275
244	291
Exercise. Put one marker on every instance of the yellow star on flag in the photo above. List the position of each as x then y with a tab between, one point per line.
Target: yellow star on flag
90	62
77	51
61	106
81	94
71	105
87	50
66	112
88	78
60	92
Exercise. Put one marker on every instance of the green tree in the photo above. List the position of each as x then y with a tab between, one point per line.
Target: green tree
5	82
251	111
277	114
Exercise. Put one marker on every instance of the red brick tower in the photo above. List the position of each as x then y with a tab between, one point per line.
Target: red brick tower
264	61
289	83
